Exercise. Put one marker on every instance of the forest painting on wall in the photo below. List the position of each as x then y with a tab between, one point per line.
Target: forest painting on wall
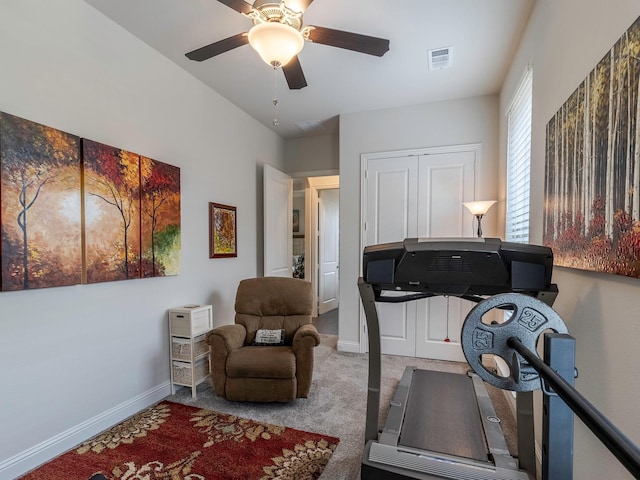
40	210
76	211
592	184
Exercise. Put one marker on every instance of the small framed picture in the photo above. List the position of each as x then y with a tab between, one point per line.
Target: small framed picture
223	241
296	221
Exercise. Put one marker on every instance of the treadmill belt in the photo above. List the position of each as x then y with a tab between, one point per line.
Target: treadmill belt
442	416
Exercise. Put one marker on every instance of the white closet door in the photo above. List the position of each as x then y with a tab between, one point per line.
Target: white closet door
420	195
446	181
391	216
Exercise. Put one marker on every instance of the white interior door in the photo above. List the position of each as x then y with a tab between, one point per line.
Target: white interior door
446	180
329	238
420	195
312	247
391	216
278	223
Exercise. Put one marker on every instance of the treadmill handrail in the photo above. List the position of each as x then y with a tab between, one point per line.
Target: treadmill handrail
627	453
404	298
418	296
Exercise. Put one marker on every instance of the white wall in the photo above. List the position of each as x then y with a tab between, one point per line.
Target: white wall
473	120
564	41
74	359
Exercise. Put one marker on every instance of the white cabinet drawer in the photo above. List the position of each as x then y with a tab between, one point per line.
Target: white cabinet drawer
187	322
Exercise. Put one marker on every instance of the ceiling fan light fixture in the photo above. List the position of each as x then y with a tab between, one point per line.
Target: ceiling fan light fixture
275	42
296	5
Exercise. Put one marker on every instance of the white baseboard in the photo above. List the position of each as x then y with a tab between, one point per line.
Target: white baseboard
31	458
349	347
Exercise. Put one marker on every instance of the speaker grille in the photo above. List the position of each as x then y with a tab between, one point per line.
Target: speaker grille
449	264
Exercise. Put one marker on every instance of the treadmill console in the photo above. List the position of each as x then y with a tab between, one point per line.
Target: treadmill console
458	266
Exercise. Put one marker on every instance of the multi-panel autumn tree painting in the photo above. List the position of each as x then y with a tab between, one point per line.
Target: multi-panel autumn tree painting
76	211
592	191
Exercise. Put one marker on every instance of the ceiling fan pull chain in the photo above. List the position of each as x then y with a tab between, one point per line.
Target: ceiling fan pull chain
276	122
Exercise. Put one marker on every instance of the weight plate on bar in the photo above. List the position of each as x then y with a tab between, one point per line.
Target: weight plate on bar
529	318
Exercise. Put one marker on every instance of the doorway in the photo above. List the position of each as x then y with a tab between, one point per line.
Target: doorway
328	250
316	205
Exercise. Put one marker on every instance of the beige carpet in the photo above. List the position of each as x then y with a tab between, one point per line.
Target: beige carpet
337	402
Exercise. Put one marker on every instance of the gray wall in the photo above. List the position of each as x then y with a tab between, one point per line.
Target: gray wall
314	155
563	42
77	359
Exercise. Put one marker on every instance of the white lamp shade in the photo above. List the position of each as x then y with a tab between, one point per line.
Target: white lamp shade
276	43
479	208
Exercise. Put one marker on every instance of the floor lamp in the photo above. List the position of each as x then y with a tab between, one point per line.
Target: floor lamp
479	209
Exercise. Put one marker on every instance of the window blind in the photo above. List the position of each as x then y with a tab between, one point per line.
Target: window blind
519	162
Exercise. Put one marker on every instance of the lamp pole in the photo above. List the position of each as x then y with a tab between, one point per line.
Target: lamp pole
479	217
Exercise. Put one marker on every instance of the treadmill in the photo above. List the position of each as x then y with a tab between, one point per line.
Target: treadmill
443	425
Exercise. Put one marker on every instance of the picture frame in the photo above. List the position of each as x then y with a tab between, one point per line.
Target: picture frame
296	221
223	241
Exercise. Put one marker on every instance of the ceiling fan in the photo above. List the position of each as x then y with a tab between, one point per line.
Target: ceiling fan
278	36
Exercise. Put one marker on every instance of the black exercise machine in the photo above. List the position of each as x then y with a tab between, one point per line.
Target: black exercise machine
442	425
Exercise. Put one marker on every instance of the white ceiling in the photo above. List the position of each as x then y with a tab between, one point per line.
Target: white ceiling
483	33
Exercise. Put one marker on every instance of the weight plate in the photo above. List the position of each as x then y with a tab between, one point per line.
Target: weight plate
530	318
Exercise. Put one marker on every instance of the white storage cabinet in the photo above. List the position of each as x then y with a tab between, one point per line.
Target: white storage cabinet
189	350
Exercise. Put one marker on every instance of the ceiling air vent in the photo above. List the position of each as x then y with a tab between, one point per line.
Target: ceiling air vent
311	125
440	58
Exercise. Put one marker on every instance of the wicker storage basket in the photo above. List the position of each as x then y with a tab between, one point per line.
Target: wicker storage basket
182	371
181	347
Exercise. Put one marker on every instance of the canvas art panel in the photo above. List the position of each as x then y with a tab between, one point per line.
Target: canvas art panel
592	184
40	205
222	231
111	212
160	218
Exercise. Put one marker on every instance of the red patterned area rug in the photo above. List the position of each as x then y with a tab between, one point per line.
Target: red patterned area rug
172	441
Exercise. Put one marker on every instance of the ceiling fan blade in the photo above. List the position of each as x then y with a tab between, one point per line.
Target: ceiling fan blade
216	48
294	75
349	41
238	5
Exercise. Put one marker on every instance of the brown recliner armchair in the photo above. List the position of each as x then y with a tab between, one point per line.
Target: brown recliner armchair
242	371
